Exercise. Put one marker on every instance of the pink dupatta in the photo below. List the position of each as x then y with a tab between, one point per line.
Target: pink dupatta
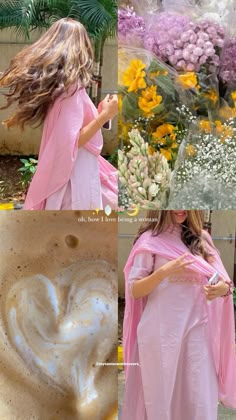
220	312
59	147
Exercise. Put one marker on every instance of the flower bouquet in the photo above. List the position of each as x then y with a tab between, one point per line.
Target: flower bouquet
144	174
177	100
131	27
149	94
183	43
204	174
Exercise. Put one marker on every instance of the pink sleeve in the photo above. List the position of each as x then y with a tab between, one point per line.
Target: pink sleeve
143	266
59	148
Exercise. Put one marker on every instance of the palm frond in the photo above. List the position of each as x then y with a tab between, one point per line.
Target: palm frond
98	16
25	15
10	13
18	14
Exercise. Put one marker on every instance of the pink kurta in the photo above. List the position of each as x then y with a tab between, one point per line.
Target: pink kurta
69	177
182	368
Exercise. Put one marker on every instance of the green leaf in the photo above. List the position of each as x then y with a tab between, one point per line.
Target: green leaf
154	67
168	141
166	84
32	160
130	107
158	109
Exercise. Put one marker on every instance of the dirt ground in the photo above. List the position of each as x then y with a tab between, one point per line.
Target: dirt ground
10	179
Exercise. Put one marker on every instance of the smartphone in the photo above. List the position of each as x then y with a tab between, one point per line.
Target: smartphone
107	125
213	280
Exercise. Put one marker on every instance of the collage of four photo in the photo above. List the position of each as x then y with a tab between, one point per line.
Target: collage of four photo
118	210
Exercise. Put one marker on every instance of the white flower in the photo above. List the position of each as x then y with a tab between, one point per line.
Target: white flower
145	177
153	190
142	191
158	178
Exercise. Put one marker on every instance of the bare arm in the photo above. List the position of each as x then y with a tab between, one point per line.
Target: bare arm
87	132
109	109
145	286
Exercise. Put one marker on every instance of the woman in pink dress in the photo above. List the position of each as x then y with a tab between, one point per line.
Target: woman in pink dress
47	81
178	336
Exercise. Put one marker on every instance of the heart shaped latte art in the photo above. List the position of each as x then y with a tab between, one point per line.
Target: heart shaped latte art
62	328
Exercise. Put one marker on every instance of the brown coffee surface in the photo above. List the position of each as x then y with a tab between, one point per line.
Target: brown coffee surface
58	323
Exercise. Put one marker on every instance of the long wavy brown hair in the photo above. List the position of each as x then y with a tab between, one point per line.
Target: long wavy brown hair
40	73
191	229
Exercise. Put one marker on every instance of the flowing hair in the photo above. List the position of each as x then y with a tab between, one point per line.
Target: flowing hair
40	73
191	229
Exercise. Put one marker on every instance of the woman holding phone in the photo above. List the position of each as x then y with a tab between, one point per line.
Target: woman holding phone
181	347
47	81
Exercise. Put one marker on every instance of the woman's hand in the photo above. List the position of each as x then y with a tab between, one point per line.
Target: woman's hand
109	107
176	266
145	286
217	290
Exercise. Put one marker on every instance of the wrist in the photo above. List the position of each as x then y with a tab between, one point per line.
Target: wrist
160	275
228	288
103	116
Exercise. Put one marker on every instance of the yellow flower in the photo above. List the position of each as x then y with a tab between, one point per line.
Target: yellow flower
166	153
190	150
219	126
134	76
233	95
120	102
205	125
226	133
212	95
188	81
153	74
226	112
151	150
224	130
123	130
149	100
164	130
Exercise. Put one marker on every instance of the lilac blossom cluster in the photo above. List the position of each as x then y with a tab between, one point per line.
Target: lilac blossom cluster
184	44
228	62
131	27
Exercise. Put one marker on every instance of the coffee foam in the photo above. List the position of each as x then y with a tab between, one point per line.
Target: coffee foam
57	323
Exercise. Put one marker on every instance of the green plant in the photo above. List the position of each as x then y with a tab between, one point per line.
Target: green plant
98	16
234	297
113	158
27	171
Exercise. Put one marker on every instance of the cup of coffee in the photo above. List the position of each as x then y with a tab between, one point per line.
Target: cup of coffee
58	319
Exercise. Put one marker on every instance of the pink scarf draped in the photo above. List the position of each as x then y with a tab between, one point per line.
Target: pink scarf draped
220	312
59	148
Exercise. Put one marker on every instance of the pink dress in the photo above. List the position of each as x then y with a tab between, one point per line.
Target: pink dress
180	356
71	177
176	344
